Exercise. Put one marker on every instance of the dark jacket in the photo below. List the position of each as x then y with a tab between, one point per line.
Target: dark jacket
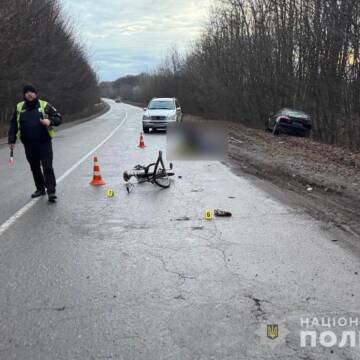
31	129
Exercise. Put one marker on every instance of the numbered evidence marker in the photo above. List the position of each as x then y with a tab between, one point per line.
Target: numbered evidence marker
110	193
209	215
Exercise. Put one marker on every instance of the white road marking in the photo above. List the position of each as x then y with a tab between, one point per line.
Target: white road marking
7	224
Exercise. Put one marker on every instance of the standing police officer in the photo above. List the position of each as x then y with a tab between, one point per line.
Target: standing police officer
33	122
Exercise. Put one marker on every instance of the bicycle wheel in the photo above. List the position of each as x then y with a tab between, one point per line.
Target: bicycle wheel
161	177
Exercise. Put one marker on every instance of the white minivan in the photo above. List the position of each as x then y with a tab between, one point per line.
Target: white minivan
160	112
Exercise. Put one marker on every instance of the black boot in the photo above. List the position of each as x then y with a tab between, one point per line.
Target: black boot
52	197
38	193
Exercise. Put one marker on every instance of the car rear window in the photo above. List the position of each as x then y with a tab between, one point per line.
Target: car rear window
293	113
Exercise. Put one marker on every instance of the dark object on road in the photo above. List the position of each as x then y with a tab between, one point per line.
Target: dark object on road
289	121
129	187
220	213
156	173
197	228
184	218
11	158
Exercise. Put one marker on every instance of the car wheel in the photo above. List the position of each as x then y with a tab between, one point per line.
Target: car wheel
276	130
146	129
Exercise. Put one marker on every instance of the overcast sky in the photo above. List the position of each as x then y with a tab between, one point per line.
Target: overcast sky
131	36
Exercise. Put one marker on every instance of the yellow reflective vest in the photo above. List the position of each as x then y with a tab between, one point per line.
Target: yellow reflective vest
20	109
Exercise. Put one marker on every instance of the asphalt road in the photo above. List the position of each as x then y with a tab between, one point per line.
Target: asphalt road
143	276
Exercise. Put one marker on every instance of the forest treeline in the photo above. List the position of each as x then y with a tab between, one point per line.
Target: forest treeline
37	46
256	56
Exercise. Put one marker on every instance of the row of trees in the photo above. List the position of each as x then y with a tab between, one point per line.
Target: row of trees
256	56
37	46
129	87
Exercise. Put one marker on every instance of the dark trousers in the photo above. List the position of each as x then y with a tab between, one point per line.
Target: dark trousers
40	155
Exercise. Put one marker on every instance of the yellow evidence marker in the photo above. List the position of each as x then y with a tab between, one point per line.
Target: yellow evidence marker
110	193
209	215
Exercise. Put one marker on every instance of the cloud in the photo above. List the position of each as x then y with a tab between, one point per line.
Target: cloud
131	36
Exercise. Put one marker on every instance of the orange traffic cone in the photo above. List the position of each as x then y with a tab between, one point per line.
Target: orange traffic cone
97	179
142	142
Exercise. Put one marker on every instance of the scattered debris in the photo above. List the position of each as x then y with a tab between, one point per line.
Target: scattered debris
198	228
259	312
60	308
234	140
11	158
179	297
221	213
129	187
184	218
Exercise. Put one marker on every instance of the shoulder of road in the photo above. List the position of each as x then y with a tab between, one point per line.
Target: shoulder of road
326	178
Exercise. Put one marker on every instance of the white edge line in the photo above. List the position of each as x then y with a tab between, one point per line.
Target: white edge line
7	224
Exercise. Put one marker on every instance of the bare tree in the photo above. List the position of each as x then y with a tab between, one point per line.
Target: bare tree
256	56
37	46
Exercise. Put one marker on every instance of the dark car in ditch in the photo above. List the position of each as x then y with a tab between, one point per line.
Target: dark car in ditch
290	121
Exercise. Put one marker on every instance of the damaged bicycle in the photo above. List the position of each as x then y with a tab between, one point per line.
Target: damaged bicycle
155	173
